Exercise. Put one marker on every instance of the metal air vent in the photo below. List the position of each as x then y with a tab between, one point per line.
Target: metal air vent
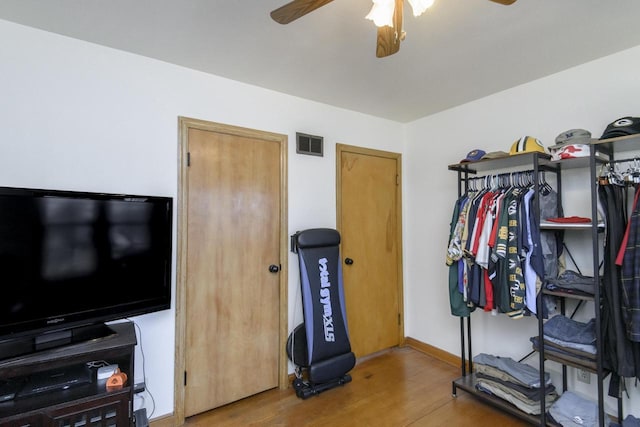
309	144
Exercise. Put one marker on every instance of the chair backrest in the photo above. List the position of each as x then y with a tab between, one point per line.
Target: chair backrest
322	293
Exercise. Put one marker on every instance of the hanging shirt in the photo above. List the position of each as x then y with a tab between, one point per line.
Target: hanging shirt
499	256
456	299
630	278
454	250
515	280
530	276
623	246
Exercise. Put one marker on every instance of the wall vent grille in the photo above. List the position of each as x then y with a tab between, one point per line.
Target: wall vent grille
309	144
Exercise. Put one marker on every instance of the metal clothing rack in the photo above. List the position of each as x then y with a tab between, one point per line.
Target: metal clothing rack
602	154
540	163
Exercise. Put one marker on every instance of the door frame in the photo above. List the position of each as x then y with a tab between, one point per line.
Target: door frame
340	148
184	125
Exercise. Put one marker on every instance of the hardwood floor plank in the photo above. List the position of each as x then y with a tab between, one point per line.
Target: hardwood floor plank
468	412
399	387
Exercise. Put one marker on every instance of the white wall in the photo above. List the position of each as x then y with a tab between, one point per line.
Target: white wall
78	116
589	96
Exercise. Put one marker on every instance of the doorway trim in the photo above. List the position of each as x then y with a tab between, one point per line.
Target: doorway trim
184	125
341	148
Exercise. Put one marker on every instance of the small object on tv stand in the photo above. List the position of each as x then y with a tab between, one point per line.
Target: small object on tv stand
117	380
105	372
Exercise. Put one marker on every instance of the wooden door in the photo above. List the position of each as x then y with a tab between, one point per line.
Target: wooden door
369	222
233	344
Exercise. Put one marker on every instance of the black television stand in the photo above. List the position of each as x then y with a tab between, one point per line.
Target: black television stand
81	401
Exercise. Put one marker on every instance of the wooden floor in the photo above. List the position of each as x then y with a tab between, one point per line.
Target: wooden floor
400	387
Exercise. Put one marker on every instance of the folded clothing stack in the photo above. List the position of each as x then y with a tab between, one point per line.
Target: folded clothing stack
572	410
569	339
572	282
515	382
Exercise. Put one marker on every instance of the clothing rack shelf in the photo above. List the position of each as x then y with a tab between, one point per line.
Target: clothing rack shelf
516	162
566	295
602	152
468	384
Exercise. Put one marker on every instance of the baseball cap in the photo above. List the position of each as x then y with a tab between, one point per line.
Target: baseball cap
473	155
622	127
570	144
495	155
570	151
526	144
573	136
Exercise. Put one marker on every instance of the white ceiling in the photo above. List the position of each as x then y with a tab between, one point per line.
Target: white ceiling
460	50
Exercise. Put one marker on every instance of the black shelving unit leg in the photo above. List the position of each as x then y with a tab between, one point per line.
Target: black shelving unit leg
465	354
469	344
462	350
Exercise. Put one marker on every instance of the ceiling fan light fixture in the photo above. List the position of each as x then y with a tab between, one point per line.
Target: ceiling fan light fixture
386	14
382	13
419	6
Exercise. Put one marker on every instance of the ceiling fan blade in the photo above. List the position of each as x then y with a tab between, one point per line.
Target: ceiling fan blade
296	9
504	2
389	38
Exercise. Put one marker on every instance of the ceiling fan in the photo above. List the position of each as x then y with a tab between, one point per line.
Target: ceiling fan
390	32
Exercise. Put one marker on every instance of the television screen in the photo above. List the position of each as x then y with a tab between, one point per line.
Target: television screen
76	258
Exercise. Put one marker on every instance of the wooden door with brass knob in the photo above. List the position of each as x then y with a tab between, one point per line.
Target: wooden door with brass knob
233	258
369	221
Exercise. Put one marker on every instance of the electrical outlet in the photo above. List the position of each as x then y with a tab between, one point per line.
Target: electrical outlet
583	376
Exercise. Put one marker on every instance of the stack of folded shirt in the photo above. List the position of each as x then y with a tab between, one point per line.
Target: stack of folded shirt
572	410
514	382
569	339
572	282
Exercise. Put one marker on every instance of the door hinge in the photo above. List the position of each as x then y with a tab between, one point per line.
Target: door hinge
185	378
397	179
188	158
399	320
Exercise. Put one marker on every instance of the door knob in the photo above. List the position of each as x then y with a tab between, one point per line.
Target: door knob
348	261
274	268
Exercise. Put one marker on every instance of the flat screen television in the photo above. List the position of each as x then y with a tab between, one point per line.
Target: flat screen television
71	260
